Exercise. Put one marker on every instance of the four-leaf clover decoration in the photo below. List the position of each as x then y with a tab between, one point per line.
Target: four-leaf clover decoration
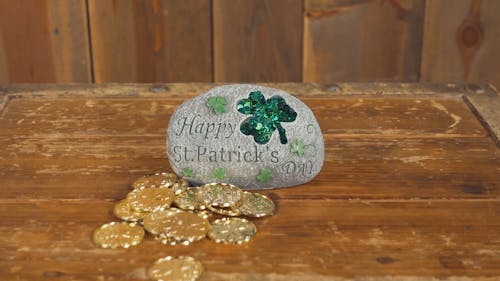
297	147
267	116
217	104
266	174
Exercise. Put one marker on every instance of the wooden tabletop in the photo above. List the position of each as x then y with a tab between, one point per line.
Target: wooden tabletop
409	189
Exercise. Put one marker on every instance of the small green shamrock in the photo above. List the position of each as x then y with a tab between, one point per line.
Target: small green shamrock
267	116
219	173
266	174
187	172
297	147
217	104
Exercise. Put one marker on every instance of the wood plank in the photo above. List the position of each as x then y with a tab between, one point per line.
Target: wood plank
70	40
391	117
386	240
112	39
146	41
460	41
53	143
4	70
44	41
362	40
257	40
434	158
59	167
301	90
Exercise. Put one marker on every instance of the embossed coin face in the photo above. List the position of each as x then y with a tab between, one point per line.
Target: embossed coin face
180	186
155	180
187	200
118	234
219	195
155	222
186	226
176	269
123	211
256	205
232	230
150	199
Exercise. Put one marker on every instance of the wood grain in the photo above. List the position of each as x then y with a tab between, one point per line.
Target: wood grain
461	41
362	40
409	189
325	240
151	41
257	40
44	41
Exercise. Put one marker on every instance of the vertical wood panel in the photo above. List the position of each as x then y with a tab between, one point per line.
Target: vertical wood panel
151	41
348	40
112	40
4	71
70	40
44	41
462	41
257	40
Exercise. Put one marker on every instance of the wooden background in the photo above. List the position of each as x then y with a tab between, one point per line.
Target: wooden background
249	40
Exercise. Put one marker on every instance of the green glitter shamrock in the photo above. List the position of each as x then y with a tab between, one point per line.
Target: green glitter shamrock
187	172
217	104
219	173
267	116
266	174
297	147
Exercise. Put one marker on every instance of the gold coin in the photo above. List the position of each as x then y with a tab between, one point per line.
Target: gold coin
155	180
186	226
150	199
155	222
256	205
170	241
231	212
165	240
123	211
187	200
219	195
180	186
232	230
204	213
175	269
118	234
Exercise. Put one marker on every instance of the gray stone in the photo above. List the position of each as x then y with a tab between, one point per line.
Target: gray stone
206	144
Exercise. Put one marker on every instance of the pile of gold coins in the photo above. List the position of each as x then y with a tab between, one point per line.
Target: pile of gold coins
166	207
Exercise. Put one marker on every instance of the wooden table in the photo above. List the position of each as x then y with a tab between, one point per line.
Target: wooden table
409	189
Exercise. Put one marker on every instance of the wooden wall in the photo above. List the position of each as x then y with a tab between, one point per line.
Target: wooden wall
249	40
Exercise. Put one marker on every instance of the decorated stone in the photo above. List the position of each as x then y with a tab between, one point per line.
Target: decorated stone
251	136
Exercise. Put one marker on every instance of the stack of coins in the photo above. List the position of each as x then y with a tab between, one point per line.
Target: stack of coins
175	213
